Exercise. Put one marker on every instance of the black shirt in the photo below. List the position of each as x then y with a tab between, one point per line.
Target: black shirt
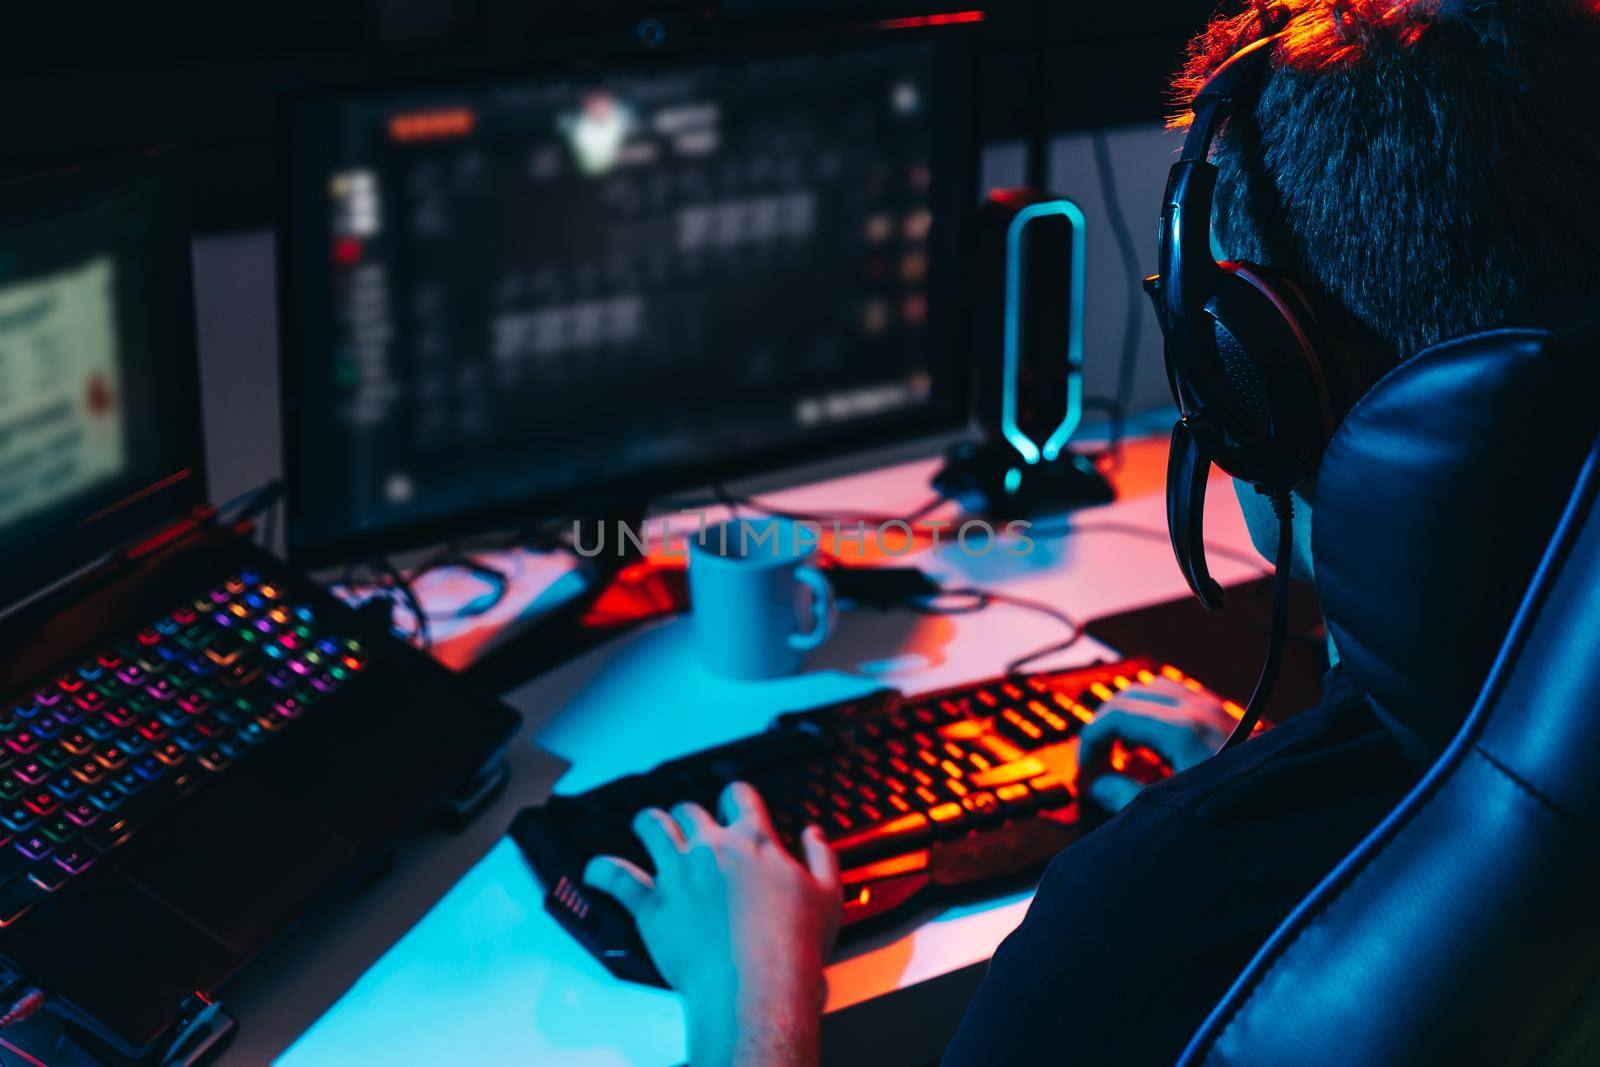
1139	928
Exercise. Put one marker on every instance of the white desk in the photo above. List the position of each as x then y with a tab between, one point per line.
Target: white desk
452	959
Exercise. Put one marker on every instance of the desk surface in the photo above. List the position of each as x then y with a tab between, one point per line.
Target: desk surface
452	959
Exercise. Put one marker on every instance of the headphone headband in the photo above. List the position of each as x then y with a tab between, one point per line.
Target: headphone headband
1218	96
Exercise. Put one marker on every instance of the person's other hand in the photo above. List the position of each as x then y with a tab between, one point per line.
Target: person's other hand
1178	724
735	924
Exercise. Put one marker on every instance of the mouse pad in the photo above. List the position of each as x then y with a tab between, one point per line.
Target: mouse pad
1224	649
239	862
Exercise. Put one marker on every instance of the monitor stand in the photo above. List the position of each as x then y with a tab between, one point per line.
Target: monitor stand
624	590
987	478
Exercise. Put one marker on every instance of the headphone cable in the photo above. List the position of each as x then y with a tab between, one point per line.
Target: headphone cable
1283	509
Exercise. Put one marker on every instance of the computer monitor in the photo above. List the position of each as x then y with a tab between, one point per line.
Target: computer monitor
578	290
100	432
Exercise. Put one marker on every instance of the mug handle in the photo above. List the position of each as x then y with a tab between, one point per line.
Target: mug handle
824	612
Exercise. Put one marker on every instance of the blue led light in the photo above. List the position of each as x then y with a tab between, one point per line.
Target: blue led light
1025	446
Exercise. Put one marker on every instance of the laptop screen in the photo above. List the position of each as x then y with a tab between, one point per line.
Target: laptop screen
99	411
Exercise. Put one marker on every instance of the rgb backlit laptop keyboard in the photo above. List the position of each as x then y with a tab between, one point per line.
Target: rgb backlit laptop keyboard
104	746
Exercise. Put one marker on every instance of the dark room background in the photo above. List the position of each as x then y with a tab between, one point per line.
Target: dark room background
85	82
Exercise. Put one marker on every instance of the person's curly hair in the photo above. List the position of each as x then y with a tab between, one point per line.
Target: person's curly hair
1424	167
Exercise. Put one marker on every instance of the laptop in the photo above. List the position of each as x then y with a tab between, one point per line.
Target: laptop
198	745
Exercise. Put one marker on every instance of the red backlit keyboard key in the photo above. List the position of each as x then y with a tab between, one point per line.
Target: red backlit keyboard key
22	742
112	758
210	727
42	802
119	716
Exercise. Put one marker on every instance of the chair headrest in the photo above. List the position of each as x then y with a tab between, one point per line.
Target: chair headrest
1433	505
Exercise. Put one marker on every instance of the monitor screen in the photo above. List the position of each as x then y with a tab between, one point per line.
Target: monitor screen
550	295
99	417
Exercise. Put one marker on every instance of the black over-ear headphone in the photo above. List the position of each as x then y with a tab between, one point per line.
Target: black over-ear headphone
1259	388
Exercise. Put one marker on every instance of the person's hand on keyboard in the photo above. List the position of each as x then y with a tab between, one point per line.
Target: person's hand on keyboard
1179	725
735	924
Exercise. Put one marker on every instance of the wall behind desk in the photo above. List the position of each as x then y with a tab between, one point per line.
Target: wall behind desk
237	317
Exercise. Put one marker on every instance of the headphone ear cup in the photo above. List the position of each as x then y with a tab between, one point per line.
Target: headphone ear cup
1240	371
1276	416
1344	367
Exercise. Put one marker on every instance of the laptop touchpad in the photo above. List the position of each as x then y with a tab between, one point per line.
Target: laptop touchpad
239	862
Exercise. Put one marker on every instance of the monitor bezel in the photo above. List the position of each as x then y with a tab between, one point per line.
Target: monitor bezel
631	494
180	491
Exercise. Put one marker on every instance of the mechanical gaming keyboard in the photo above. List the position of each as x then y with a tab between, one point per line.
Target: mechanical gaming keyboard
916	795
100	748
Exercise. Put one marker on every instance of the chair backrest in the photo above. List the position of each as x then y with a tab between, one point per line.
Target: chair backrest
1466	927
1434	502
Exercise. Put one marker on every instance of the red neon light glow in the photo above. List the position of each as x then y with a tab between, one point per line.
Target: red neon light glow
953	18
168	481
347	251
432	125
20	1054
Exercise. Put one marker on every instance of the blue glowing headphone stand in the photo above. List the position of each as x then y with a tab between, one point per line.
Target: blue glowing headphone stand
1021	468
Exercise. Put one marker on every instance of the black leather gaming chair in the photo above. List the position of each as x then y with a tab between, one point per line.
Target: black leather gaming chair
1466	928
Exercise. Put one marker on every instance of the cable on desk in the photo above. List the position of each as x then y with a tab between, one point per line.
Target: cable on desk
395	584
978	599
453	558
1128	529
464	555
